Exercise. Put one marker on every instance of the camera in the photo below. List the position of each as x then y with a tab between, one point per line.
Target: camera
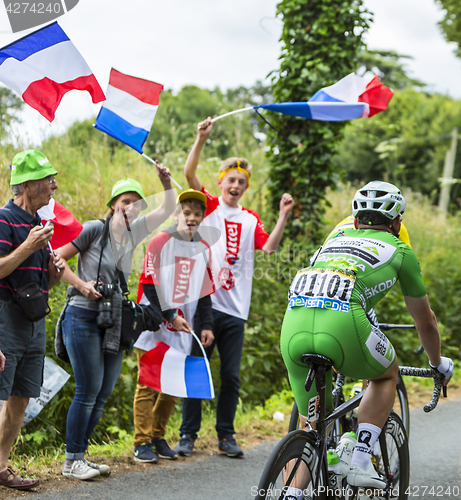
104	319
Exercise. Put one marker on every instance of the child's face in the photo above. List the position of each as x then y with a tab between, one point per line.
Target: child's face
189	218
233	185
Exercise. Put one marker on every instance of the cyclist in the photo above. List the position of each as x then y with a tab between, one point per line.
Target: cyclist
326	314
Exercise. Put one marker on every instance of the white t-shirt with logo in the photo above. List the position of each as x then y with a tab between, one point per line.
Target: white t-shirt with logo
242	232
181	272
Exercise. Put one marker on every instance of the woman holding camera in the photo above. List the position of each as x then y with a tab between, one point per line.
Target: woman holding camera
91	341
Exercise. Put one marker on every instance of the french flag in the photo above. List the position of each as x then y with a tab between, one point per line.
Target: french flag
130	108
351	97
172	372
45	65
66	226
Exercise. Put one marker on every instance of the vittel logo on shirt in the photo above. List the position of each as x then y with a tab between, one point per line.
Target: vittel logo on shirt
182	272
150	265
233	233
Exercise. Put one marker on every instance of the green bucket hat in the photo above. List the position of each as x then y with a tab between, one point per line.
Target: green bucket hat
127	186
30	165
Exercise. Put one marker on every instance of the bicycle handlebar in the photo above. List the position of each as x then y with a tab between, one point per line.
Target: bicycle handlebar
427	373
388	326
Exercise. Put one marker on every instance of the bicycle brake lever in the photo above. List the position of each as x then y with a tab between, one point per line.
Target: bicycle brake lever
419	351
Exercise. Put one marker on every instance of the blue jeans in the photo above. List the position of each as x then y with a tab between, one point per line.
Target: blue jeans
95	376
228	337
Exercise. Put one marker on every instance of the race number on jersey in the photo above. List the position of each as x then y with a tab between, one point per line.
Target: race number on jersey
322	288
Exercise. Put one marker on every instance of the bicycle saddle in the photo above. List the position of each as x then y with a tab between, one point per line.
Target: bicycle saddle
317	360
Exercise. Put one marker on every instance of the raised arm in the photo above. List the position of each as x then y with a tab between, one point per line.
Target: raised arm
286	205
161	214
190	168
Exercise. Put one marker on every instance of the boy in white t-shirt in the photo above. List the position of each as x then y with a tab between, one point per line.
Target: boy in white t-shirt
177	280
233	263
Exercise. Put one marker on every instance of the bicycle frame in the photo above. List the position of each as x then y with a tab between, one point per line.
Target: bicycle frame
317	374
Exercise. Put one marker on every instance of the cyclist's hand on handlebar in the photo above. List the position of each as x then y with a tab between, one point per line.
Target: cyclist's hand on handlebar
445	368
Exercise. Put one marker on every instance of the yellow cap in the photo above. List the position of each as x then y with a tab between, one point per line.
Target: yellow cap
191	193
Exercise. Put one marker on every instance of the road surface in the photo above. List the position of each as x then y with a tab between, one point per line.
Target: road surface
435	447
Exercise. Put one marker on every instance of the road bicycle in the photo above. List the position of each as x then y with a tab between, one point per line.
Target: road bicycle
300	459
349	422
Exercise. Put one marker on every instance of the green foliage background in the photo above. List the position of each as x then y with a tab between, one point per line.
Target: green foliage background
451	23
320	45
405	145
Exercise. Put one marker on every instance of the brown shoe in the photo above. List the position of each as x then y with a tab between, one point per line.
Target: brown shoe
11	480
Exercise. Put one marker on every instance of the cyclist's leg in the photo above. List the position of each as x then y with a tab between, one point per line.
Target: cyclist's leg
297	339
377	363
379	397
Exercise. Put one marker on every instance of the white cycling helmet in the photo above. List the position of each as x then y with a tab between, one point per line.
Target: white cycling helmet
381	197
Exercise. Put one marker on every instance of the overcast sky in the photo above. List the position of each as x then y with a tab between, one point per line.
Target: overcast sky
221	42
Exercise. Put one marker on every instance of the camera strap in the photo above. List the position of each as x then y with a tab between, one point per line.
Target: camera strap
104	239
123	284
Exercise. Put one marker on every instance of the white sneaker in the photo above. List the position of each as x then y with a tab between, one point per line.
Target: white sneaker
365	478
79	469
103	469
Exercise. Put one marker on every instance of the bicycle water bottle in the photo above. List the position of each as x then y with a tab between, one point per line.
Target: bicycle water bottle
334	470
345	450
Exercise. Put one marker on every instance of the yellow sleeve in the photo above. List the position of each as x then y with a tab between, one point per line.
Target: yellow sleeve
404	236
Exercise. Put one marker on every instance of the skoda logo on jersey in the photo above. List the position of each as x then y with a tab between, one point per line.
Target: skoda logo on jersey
25	15
380	287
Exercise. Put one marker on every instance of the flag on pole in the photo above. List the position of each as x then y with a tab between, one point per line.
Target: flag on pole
45	65
66	225
351	97
130	108
172	372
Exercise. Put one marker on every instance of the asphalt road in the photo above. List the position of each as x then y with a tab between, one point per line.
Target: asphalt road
435	447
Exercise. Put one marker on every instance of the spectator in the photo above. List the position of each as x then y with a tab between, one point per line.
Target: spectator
94	351
233	263
24	258
176	279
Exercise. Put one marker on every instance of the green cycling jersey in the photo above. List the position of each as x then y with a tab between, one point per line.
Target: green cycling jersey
359	267
328	301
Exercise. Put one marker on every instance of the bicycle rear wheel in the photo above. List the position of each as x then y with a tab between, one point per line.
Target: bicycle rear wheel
391	459
295	463
294	418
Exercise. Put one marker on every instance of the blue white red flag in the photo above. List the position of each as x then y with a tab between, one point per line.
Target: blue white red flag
172	372
45	65
351	97
130	108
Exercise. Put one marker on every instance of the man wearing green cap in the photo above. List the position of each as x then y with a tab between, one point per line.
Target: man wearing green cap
25	257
